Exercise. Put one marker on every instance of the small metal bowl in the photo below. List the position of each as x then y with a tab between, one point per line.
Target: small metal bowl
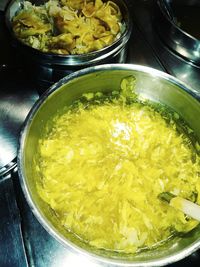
49	68
181	42
152	85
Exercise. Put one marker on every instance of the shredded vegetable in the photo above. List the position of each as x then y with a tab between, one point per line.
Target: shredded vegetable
69	27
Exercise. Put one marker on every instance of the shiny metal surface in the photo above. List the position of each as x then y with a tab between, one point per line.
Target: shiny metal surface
15	103
172	63
177	39
167	9
14	106
12	251
151	84
50	68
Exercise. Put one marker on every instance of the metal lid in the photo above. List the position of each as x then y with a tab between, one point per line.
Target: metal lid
17	95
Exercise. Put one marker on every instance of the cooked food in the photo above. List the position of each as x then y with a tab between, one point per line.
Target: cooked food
69	27
104	160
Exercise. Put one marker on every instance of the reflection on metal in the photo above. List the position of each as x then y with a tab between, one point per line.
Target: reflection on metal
6	171
15	102
173	36
73	260
11	241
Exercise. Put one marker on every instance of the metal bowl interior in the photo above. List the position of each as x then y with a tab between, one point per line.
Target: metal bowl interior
150	84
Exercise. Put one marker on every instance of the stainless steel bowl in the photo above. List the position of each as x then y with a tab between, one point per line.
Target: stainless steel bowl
180	41
48	68
150	84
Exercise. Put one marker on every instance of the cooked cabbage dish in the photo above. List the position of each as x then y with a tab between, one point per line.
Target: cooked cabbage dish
69	26
102	163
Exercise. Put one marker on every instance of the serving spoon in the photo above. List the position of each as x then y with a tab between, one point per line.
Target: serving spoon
189	208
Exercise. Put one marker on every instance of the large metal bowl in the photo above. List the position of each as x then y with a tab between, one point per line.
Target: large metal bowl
49	68
150	84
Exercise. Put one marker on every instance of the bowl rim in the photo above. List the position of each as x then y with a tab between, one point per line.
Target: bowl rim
43	220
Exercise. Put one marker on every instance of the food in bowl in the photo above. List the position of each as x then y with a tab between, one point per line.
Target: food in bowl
69	27
104	160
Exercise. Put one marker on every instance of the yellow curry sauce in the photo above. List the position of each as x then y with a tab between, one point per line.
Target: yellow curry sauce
102	166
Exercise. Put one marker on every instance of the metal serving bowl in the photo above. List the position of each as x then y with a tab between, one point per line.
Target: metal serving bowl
150	84
182	42
49	68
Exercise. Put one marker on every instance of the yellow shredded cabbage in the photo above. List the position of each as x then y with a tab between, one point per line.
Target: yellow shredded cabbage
69	27
102	166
